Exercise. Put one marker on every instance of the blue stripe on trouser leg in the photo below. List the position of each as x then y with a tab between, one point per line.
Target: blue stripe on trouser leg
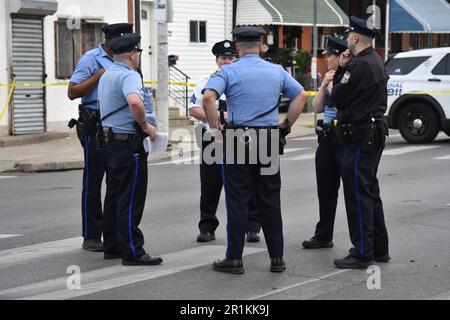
130	210
358	199
86	184
226	208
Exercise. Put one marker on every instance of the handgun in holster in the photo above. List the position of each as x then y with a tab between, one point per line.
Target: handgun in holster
138	141
284	132
87	121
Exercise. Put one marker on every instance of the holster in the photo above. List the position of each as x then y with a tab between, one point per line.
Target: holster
87	121
328	133
371	136
138	140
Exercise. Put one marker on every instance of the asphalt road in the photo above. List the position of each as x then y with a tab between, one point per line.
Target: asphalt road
40	236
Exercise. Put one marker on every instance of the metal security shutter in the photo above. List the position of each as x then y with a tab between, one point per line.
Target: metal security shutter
28	67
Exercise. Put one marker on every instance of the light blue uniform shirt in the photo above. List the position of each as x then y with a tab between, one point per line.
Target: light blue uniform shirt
113	89
89	65
253	86
329	112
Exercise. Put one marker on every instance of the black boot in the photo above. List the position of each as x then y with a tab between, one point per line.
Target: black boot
206	237
314	243
277	265
350	262
229	266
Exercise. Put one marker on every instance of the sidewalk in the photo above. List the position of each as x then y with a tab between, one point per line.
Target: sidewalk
64	152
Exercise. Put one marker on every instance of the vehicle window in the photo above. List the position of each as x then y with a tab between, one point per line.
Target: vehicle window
443	67
403	66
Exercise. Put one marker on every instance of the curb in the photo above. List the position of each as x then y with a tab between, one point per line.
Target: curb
31	139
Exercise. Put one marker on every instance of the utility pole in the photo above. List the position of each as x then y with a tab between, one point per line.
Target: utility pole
314	59
162	16
386	37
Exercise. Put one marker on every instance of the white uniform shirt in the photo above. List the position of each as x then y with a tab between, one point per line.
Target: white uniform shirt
197	98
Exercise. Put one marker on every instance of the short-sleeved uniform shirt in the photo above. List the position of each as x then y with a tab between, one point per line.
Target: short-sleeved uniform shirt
88	65
197	97
114	87
329	112
253	86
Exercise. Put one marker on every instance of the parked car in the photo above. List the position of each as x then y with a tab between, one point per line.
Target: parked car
419	94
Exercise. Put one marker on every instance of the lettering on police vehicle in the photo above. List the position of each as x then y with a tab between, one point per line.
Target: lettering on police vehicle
227	310
395	89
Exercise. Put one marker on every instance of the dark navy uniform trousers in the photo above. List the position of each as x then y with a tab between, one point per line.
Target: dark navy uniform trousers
125	199
91	201
362	199
211	188
242	182
328	177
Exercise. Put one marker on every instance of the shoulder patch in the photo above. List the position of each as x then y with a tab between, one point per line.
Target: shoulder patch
215	73
345	77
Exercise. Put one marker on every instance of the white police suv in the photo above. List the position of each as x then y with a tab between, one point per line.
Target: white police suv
419	94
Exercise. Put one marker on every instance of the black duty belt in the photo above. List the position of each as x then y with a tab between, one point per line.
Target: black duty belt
126	137
231	127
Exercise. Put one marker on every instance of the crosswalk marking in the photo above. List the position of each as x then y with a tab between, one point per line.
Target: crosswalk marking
6	236
443	158
19	255
292	150
308	156
118	276
405	150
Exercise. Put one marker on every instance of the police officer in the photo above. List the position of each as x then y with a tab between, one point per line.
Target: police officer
252	87
84	85
124	115
360	95
211	174
329	152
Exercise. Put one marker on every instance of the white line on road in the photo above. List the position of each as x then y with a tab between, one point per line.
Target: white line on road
443	158
7	177
405	150
308	156
292	150
6	236
118	276
297	285
18	255
309	138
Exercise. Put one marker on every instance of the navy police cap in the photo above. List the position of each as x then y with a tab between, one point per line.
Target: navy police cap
117	29
225	48
335	46
361	26
125	43
248	34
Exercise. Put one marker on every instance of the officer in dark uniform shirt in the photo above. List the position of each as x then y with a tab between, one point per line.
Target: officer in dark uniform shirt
360	95
84	85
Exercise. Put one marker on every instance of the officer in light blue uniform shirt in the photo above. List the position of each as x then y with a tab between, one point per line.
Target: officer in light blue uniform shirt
84	85
252	87
329	152
125	110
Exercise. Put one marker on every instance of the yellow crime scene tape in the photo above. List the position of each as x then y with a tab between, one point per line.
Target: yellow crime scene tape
15	85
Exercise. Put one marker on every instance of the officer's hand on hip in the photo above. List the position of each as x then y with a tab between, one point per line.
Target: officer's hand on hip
150	130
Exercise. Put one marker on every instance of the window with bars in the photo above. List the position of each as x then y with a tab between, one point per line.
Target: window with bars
197	31
72	42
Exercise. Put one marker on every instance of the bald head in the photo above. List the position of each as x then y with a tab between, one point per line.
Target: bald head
244	48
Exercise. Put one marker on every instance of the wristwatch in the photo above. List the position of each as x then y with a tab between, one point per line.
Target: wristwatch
286	123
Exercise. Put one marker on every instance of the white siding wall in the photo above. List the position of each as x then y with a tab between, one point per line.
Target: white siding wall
59	108
196	59
3	69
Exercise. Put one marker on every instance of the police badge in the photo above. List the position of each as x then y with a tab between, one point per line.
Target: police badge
345	77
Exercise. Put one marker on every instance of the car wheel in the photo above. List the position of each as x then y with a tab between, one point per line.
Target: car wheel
418	123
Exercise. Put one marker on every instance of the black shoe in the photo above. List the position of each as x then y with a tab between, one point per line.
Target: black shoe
350	262
112	256
229	266
145	260
386	258
206	237
93	245
277	265
253	237
314	243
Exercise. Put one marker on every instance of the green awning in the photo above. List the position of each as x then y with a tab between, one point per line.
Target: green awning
290	13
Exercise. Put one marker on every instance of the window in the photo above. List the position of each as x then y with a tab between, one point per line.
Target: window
402	66
73	42
443	67
197	31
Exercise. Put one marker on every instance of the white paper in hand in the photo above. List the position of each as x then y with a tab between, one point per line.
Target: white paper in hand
159	145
